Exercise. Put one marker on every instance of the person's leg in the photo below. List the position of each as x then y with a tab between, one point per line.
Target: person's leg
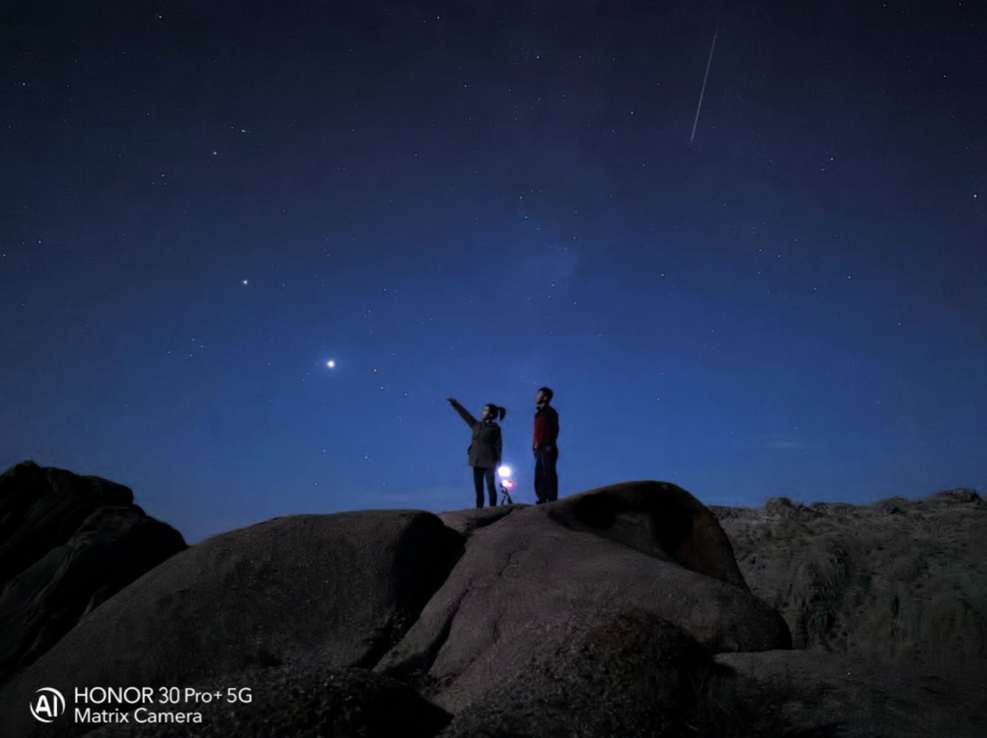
478	485
551	475
540	476
491	488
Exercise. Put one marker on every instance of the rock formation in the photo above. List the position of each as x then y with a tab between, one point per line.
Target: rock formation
67	544
889	602
619	612
618	594
901	581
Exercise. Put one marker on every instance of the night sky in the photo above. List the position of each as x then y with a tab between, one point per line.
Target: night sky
203	203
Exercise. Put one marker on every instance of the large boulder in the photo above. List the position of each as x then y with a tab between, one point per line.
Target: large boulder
67	544
644	547
341	589
657	518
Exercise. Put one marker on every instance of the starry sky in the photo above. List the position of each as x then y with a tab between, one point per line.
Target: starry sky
202	204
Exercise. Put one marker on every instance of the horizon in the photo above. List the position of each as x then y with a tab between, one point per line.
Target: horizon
205	206
866	501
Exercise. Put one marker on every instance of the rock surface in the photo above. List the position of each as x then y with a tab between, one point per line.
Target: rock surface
304	703
599	673
618	594
620	612
67	544
816	693
560	560
340	589
900	581
658	519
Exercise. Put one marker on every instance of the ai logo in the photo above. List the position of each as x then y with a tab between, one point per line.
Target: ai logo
48	705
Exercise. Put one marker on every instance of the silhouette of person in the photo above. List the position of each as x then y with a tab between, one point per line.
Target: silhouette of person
544	448
485	449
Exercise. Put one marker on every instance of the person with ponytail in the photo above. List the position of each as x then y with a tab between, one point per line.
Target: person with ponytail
484	452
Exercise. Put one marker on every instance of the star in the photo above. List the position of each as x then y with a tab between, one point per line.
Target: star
331	364
245	282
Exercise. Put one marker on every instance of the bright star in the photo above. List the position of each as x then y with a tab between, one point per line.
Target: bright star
331	364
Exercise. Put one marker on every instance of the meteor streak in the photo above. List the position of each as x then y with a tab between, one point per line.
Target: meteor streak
703	91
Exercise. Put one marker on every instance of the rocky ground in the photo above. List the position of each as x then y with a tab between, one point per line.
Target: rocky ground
631	610
886	604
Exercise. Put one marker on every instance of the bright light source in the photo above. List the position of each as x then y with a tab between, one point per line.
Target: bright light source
331	364
509	483
504	471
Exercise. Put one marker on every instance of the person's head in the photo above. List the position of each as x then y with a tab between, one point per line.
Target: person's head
543	397
492	412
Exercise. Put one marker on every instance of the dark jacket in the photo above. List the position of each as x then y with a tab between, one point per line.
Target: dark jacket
546	427
484	451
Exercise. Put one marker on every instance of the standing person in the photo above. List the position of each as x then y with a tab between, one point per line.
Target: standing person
544	448
484	451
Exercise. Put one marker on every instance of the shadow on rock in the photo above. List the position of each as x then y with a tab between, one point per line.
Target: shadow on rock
335	591
67	544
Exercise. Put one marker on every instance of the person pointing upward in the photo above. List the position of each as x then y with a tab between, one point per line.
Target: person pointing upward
485	450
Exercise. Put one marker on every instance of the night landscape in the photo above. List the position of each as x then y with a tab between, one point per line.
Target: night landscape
721	266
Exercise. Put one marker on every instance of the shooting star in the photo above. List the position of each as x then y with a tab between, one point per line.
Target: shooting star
703	91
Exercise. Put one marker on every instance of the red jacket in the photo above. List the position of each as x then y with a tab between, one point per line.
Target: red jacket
546	427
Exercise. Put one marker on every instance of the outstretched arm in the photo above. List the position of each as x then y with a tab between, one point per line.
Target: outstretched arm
463	413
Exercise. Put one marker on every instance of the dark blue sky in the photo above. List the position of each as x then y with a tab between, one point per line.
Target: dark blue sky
201	206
